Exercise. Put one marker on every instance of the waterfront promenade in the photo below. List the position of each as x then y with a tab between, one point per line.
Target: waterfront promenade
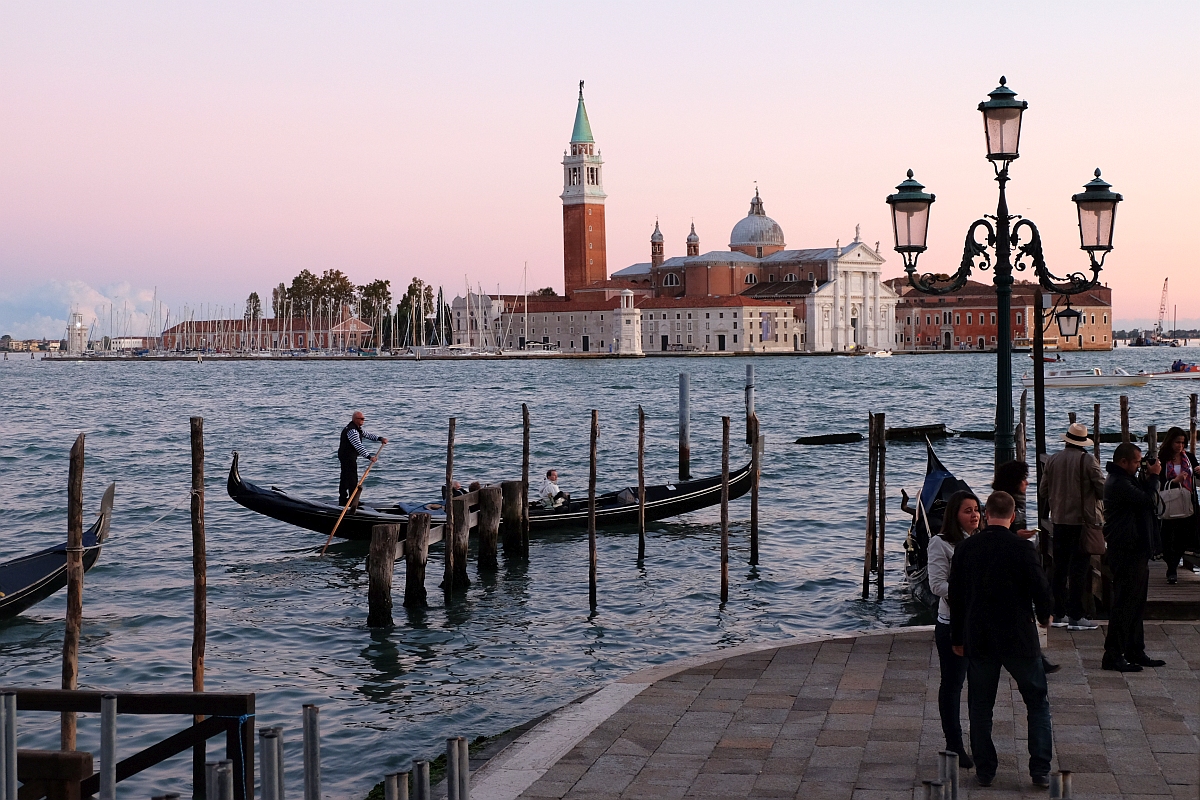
856	717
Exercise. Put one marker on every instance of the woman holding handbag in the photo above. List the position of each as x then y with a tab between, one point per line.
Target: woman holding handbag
1178	472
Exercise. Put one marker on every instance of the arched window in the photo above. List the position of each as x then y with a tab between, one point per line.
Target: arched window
751	278
789	278
671	279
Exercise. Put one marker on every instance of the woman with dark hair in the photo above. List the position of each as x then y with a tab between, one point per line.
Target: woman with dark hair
1013	477
961	519
1178	467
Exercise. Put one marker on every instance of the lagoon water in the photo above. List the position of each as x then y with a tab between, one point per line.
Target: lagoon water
290	626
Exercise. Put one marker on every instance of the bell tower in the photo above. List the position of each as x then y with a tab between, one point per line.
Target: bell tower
584	257
656	247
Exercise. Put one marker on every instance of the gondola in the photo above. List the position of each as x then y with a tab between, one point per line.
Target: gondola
612	508
939	484
31	579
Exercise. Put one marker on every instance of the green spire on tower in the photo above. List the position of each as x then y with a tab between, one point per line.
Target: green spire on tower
583	128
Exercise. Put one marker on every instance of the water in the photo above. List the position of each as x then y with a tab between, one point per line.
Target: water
290	626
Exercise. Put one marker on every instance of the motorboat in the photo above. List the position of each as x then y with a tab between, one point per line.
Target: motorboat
881	354
1090	378
1180	371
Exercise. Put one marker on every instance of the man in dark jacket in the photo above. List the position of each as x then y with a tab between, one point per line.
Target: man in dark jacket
996	585
350	447
1129	522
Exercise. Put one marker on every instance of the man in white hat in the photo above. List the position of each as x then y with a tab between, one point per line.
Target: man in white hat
1073	488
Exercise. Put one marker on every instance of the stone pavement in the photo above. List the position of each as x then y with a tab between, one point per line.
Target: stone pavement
856	717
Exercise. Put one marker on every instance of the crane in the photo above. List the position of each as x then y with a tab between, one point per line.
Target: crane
1159	333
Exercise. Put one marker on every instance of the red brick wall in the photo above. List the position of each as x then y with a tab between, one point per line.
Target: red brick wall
584	258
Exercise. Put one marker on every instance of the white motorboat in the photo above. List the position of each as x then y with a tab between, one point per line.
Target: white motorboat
1180	371
881	354
1087	379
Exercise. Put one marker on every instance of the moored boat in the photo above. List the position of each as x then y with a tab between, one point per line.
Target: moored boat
1087	379
1180	371
939	484
31	579
617	508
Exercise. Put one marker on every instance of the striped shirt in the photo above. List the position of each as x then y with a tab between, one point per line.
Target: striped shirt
356	441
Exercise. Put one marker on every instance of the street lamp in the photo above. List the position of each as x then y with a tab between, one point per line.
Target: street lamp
1013	242
1068	321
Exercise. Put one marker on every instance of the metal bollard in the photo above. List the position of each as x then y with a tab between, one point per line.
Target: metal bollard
9	699
210	780
1066	780
225	780
452	781
420	780
268	763
312	753
278	731
1055	786
108	747
948	773
464	769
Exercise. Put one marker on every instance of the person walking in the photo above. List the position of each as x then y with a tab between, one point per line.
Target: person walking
1129	502
1179	468
962	517
1072	485
998	595
350	447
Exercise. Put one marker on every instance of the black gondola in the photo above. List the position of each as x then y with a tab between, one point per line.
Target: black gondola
939	484
31	579
612	508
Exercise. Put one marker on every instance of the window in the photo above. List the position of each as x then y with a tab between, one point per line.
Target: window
1018	319
758	252
735	315
908	320
707	339
689	326
1093	338
1093	322
721	315
690	338
689	316
751	278
789	278
771	278
968	318
958	319
707	325
671	279
810	276
677	316
707	315
735	338
993	322
928	320
1106	319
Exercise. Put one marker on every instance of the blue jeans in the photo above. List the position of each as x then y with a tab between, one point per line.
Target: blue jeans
983	678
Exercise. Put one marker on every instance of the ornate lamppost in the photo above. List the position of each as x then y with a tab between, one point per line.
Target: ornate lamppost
1010	232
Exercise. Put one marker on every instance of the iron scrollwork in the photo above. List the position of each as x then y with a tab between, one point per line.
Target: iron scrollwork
1029	254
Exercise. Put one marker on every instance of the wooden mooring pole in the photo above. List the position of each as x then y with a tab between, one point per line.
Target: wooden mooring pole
525	480
1192	426
381	562
460	539
416	556
1096	431
642	483
1151	442
869	553
511	516
448	533
592	509
1022	453
74	622
199	592
1071	417
755	474
685	424
724	509
881	496
1124	418
491	499
751	431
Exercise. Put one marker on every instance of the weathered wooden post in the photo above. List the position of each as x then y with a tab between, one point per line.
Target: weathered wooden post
381	561
641	483
724	509
751	430
312	751
1192	426
460	540
448	534
1124	418
525	480
1096	431
592	508
869	555
511	516
685	437
70	667
1152	442
416	556
1071	417
1021	429
490	500
881	496
755	474
199	592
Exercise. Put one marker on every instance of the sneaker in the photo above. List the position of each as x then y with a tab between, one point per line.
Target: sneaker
1119	664
1040	781
1059	623
1082	624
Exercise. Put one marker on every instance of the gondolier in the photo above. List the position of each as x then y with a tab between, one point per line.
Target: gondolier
349	449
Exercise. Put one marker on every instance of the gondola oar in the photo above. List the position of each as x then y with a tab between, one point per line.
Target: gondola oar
353	495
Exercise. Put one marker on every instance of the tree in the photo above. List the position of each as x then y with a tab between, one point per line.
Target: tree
546	292
279	298
253	308
304	294
335	290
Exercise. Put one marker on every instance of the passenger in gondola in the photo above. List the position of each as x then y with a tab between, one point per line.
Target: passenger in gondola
549	494
962	518
350	448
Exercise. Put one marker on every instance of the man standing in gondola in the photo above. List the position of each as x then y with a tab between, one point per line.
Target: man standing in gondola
349	449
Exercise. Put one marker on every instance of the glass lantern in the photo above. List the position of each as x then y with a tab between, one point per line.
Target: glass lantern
1002	123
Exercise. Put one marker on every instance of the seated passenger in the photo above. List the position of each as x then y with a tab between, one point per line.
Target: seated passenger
549	495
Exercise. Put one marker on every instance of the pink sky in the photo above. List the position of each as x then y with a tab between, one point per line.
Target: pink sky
210	150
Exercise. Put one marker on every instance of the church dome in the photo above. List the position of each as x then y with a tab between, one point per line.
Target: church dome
757	229
656	237
692	238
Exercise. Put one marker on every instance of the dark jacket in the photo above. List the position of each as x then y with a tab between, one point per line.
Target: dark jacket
1129	519
996	584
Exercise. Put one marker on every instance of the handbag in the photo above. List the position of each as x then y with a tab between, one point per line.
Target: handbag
1091	538
1176	502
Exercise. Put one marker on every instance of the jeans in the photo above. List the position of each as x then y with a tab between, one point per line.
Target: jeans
983	676
348	482
1071	572
954	673
1131	580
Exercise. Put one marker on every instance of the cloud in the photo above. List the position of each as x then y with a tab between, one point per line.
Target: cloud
42	311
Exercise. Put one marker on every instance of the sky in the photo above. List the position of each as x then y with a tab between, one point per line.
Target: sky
191	153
